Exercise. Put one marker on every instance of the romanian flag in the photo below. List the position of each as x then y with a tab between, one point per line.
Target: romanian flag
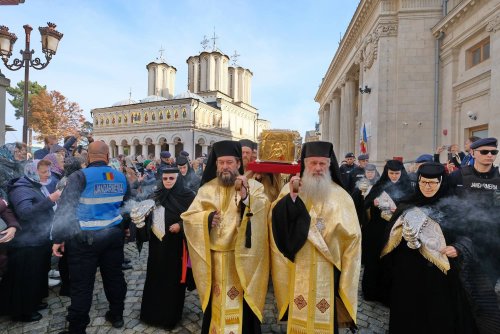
363	143
109	176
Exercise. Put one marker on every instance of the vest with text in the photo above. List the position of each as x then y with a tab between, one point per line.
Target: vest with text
100	201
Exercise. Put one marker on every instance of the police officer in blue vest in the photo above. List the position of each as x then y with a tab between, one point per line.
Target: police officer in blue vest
87	229
479	188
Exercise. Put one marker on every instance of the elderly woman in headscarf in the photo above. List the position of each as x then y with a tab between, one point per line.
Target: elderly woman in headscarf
25	284
164	289
12	161
384	196
56	169
424	258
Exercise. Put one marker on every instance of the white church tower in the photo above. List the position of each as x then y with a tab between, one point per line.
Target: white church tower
161	78
210	71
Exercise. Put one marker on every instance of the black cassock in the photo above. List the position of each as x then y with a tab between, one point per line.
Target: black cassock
373	231
163	296
423	299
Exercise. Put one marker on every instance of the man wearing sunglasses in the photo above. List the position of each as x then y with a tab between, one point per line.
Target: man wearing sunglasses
478	186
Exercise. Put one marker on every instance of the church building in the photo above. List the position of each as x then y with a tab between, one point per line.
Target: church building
216	107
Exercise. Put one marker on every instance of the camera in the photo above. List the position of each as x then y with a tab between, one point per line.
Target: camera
472	115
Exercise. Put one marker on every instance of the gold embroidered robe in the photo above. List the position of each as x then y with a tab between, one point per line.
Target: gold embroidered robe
306	286
223	268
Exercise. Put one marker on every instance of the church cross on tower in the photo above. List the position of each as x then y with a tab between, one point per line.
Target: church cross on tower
235	57
161	58
204	43
214	40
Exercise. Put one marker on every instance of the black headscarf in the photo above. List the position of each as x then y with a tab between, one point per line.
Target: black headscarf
221	149
429	170
175	200
321	149
191	180
397	190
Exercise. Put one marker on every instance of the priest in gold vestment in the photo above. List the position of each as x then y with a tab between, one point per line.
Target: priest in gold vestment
228	242
316	247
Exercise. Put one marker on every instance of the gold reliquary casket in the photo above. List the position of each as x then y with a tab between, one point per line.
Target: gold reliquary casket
282	146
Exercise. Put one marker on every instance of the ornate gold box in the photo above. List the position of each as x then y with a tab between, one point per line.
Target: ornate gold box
279	146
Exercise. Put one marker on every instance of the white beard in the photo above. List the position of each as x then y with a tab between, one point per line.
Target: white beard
316	188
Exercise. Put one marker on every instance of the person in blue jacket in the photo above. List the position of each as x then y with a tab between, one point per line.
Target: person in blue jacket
87	224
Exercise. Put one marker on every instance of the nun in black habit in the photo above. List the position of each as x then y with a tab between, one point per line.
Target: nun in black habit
427	264
164	289
188	175
381	202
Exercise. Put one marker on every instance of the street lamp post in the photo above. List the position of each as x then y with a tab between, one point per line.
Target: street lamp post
50	40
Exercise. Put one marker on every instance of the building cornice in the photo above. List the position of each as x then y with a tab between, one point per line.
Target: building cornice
494	24
454	17
364	10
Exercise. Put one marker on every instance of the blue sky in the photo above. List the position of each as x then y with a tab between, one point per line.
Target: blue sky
288	45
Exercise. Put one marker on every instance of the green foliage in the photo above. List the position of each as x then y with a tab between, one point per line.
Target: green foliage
17	93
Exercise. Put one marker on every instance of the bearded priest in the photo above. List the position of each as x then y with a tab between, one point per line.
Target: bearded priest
227	234
316	247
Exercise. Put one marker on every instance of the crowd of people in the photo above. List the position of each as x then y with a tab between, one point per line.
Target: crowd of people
427	239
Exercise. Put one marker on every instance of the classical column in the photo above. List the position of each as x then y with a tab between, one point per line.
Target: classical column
157	151
4	83
493	27
204	149
347	119
120	149
144	150
325	131
335	121
171	148
132	150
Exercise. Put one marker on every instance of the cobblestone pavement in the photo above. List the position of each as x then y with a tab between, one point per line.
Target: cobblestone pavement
372	317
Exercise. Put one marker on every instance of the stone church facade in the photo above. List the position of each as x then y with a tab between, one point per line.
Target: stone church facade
216	107
415	73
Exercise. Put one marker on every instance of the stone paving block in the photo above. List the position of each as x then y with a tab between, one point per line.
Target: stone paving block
132	323
372	317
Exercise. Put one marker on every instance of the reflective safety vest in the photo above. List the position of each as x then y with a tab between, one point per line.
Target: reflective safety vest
101	199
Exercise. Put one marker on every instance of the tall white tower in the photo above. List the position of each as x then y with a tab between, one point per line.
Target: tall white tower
161	78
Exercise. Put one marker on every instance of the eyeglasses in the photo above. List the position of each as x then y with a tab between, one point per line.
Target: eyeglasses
429	183
170	178
485	152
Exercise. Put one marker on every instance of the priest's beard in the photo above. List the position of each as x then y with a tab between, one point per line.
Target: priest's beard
227	179
316	187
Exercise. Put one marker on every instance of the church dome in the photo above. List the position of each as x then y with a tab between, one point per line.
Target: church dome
124	102
188	95
153	98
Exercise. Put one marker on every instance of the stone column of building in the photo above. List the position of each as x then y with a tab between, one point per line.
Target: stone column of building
171	148
144	150
120	149
204	149
157	150
325	131
4	83
132	150
493	28
347	120
335	121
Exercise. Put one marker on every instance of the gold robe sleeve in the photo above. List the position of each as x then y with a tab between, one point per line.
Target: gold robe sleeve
252	264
